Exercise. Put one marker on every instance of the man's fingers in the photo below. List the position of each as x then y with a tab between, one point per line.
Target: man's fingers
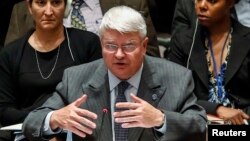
135	98
77	132
126	113
80	100
127	105
81	127
86	113
130	125
127	119
86	122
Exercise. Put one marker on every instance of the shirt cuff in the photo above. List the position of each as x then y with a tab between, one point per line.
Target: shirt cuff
162	129
46	128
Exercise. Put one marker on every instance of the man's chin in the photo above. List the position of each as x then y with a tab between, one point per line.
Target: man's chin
122	75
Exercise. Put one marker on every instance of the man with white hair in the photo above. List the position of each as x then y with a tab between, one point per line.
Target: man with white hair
126	96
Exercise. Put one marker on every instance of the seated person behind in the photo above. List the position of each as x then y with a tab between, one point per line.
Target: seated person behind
185	19
32	66
219	58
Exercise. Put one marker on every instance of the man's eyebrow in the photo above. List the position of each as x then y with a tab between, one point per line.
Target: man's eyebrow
109	41
131	41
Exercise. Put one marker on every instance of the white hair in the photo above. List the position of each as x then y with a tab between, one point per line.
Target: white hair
123	19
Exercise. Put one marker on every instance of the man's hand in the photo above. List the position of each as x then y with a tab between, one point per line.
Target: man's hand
73	118
139	114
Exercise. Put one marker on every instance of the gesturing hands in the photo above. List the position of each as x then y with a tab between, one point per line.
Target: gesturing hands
139	114
73	118
80	121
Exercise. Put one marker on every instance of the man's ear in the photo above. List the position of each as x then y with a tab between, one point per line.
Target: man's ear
145	44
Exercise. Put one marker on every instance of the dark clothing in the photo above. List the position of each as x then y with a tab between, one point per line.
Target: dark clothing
22	88
5	135
7	5
184	19
184	16
237	75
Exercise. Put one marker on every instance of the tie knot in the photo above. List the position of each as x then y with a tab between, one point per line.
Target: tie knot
77	19
122	87
77	3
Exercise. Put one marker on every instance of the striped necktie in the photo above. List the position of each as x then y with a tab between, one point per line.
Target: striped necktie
121	134
77	19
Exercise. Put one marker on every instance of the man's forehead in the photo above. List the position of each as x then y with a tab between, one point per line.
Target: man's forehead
115	35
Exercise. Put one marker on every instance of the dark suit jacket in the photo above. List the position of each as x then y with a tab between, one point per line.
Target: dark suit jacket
21	21
184	16
237	76
163	84
184	19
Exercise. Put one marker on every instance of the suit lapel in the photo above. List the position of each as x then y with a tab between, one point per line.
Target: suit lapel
198	59
239	50
149	90
98	100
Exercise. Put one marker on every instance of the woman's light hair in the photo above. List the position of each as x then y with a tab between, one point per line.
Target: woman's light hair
123	19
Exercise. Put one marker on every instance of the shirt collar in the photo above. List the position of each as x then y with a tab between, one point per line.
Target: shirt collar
91	3
134	80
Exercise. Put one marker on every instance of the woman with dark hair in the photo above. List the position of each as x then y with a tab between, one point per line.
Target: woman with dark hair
219	58
31	66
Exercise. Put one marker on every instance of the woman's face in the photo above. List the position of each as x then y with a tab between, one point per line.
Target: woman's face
47	14
212	12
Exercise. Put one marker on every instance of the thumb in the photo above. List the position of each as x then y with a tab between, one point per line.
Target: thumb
80	100
135	98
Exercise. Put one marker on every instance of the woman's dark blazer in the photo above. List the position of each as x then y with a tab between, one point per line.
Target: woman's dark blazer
237	76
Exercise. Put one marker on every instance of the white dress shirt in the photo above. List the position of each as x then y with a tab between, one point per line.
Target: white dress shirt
92	13
243	12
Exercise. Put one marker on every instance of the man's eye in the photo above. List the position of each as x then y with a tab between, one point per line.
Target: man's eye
129	47
111	46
